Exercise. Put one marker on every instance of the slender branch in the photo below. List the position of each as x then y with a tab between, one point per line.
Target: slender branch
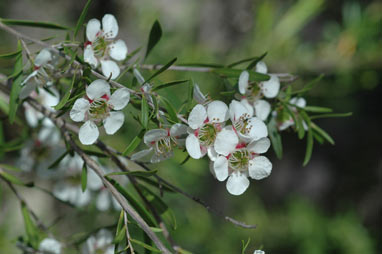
128	234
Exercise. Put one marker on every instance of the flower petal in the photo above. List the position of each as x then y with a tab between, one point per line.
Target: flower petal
261	67
154	135
94	183
79	110
217	112
243	82
113	122
110	69
198	95
118	50
259	167
298	101
221	168
258	129
88	133
237	183
141	154
237	110
97	89
248	106
89	56
92	28
109	26
43	57
193	147
212	154
178	130
103	201
50	245
27	89
262	109
120	98
271	87
260	146
197	116
226	141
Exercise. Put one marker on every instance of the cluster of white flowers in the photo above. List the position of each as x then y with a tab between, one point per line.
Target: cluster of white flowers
101	243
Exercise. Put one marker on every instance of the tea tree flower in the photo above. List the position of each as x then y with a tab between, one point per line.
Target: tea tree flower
99	107
238	161
101	47
205	122
259	252
49	246
247	127
101	243
262	109
284	120
161	142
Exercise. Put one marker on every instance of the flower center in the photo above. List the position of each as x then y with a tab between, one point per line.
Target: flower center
242	124
99	109
164	145
207	134
239	160
100	46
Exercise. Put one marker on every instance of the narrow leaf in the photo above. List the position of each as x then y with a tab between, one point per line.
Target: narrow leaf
140	173
255	61
144	245
9	167
275	137
84	177
154	37
144	112
16	22
82	18
30	228
317	109
16	85
164	67
14	180
170	110
134	143
173	83
332	115
66	96
309	147
235	73
59	159
323	133
11	55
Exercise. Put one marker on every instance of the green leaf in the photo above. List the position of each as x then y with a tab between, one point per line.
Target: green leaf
134	143
331	115
164	67
309	146
297	120
245	245
82	18
144	245
154	37
16	84
317	109
66	96
84	177
94	153
144	112
309	86
9	167
155	184
165	85
16	22
275	137
170	110
140	173
160	205
11	55
201	65
59	159
322	133
133	202
156	230
255	61
235	73
30	228
14	180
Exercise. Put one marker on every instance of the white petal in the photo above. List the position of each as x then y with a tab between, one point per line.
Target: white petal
193	147
89	56
104	238
120	98
243	82
79	110
43	57
109	26
259	168
271	87
197	116
217	112
260	146
178	130
139	155
198	95
80	198
262	109
154	135
88	133
110	68
50	245
139	76
286	124
258	128
118	50
49	100
237	183
221	168
212	154
92	28
299	102
94	183
113	122
31	115
261	67
27	89
103	201
248	106
226	141
237	110
97	89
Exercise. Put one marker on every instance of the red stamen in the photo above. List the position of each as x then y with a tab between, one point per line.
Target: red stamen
240	145
87	43
35	68
106	97
206	121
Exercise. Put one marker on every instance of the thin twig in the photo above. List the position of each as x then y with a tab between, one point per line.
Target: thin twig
128	234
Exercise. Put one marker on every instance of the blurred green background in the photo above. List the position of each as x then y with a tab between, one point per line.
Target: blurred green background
333	205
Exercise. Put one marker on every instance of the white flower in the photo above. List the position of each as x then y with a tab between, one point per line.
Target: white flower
69	187
262	109
247	127
236	161
284	119
271	87
205	122
101	243
198	95
261	67
101	46
259	252
49	246
161	142
99	106
44	65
